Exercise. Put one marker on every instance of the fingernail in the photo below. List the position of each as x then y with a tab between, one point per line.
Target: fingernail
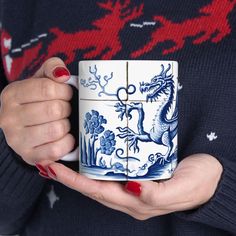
51	172
60	71
133	187
41	168
44	175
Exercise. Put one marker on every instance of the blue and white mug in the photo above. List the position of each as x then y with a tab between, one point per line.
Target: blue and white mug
128	119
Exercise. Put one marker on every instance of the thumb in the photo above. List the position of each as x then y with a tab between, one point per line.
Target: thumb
55	69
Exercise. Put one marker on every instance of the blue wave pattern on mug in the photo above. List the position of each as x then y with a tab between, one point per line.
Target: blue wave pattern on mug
163	130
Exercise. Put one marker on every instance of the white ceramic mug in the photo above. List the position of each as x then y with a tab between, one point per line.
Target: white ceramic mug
127	119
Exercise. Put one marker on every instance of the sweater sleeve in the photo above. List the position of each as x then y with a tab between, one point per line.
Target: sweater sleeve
20	184
220	210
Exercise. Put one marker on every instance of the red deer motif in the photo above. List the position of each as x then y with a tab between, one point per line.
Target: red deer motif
14	66
104	40
212	25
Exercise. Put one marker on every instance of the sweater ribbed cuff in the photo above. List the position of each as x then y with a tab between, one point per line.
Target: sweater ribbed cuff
18	180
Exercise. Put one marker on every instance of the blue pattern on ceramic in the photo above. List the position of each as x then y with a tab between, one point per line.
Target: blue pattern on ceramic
107	142
97	82
163	130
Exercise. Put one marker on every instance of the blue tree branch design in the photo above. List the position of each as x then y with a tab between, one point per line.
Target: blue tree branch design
97	82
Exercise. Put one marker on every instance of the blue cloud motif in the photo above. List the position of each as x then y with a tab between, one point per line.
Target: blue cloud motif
107	142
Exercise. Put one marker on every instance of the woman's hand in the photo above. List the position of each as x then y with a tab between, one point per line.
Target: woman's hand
34	114
193	184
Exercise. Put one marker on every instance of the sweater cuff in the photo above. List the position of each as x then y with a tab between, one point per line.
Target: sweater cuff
220	210
18	180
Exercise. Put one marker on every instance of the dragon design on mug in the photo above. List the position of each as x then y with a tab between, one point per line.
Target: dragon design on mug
163	131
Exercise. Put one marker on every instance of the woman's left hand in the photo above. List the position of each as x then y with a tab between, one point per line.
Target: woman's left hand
193	184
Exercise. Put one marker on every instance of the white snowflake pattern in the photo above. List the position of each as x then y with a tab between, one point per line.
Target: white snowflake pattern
212	136
52	197
179	86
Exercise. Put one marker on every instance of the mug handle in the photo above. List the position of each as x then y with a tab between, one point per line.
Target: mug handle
72	156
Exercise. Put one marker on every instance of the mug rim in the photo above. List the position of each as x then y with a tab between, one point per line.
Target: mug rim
128	61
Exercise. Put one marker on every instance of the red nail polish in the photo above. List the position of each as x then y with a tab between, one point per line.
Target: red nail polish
44	175
51	171
60	71
133	187
41	168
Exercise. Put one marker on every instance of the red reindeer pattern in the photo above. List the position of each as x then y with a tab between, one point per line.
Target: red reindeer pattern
212	21
103	41
14	66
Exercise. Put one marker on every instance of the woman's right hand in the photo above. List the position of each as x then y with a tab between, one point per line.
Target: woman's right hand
34	114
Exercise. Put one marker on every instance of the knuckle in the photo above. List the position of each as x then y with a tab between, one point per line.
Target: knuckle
75	180
55	109
11	93
6	93
48	89
11	140
51	62
56	130
7	121
10	126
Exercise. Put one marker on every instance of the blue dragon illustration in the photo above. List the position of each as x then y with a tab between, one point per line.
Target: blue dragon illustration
164	129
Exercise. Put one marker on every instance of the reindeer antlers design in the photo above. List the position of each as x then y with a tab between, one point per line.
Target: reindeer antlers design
117	6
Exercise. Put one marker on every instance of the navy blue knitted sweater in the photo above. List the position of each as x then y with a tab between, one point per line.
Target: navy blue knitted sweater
200	35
